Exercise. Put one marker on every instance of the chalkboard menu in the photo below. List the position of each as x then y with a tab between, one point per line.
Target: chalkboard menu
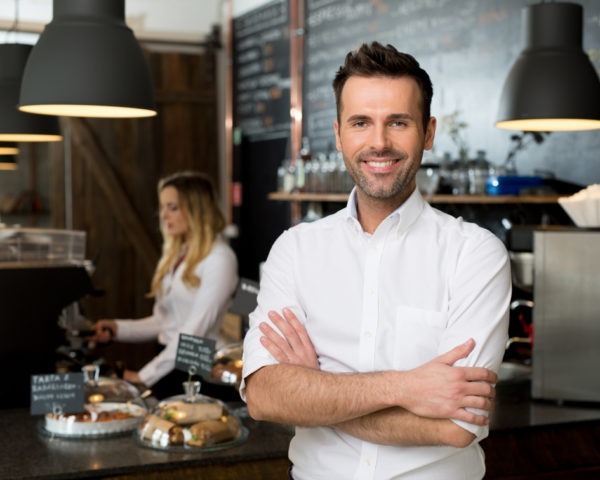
56	392
195	354
446	36
262	72
466	46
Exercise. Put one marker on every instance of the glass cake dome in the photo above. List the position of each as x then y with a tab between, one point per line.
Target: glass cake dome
227	365
191	422
111	406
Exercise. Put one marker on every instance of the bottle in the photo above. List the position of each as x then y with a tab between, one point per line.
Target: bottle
309	177
305	151
281	173
300	180
445	185
478	172
318	174
289	179
304	156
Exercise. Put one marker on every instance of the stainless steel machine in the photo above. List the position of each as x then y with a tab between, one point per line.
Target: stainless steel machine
566	346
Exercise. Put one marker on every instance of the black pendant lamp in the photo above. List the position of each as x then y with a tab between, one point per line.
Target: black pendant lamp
9	148
18	126
552	86
8	162
88	63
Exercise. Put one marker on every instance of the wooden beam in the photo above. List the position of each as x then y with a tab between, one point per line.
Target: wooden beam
121	206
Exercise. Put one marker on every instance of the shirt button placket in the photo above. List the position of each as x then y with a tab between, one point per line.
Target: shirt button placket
368	462
370	310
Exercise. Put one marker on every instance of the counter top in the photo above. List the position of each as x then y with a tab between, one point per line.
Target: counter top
515	409
539	439
28	453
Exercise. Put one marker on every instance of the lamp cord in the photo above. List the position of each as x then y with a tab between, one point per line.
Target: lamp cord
15	25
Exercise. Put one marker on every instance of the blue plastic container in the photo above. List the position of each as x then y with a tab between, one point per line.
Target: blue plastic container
510	184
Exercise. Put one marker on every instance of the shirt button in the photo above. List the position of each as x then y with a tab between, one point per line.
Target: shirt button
368	335
371	291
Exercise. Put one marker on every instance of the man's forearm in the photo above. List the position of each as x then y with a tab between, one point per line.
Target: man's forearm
355	403
307	397
399	427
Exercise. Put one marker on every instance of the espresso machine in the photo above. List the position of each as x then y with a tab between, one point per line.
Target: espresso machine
42	271
566	317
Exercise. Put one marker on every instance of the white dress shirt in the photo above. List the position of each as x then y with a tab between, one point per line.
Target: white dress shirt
421	284
181	309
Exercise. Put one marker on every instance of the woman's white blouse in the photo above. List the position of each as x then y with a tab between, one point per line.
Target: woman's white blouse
180	309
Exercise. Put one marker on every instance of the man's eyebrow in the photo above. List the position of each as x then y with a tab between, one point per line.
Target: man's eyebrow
400	116
393	116
357	118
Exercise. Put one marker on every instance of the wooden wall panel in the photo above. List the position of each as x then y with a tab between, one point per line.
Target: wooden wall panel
116	165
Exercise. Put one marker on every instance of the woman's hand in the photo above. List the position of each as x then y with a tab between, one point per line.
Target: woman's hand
291	344
132	377
104	331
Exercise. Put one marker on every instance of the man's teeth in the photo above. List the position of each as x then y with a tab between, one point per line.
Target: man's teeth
381	164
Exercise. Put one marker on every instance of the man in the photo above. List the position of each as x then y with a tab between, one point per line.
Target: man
396	314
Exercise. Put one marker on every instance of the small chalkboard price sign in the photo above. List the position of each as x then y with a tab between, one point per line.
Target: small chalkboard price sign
195	354
56	392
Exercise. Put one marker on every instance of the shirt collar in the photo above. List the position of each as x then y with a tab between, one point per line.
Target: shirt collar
402	218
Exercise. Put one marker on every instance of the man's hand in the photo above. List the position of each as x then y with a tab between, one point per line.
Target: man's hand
295	346
438	389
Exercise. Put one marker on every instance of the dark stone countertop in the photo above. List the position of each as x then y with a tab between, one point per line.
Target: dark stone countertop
28	453
516	409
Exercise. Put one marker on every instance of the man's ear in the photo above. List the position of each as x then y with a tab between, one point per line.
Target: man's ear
430	133
336	131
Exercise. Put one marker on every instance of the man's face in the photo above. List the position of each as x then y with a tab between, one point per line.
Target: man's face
380	133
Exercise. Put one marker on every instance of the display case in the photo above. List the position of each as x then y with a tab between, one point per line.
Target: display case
111	407
41	245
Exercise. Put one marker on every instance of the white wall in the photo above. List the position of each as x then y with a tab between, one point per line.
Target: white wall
242	6
183	20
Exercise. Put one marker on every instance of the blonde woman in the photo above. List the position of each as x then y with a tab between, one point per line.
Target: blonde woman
193	284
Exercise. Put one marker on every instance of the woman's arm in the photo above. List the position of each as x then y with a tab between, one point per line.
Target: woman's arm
218	273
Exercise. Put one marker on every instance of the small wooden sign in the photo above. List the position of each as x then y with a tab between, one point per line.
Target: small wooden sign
56	392
195	354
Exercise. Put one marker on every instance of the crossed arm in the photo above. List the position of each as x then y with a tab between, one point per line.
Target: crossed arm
412	407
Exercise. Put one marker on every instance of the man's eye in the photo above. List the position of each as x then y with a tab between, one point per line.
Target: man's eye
398	124
359	124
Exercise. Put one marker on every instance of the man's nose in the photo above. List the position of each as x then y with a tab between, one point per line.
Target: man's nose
380	138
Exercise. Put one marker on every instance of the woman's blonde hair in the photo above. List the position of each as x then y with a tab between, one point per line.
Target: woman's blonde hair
198	204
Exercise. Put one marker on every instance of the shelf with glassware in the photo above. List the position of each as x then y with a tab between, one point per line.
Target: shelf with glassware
436	198
310	182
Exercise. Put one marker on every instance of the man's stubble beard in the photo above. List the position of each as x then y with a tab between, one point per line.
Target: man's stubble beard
401	182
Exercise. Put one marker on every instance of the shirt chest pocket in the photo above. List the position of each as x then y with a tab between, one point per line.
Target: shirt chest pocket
417	335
